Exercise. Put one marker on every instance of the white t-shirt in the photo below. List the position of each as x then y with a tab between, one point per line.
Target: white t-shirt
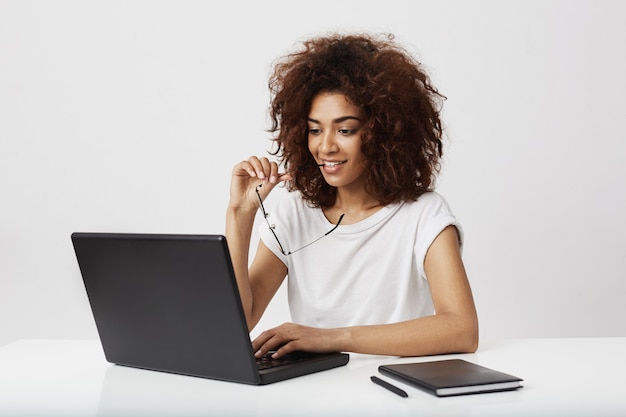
370	272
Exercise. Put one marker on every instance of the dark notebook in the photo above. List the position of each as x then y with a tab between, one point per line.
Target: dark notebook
452	377
171	303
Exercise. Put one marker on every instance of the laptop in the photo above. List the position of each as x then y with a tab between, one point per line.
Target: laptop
170	303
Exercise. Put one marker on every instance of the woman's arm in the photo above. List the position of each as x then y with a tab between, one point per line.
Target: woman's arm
258	283
453	328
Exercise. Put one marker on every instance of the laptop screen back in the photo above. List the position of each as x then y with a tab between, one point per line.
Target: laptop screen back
168	303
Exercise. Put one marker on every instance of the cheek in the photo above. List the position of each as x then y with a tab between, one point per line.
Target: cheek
354	147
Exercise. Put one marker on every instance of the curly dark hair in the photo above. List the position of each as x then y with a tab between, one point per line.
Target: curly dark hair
402	133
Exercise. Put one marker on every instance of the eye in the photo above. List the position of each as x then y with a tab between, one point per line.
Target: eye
347	132
314	131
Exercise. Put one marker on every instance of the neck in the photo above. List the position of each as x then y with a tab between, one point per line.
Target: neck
355	206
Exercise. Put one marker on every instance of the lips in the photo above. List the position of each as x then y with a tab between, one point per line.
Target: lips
332	167
332	164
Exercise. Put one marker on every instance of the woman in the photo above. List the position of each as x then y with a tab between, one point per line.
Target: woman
372	253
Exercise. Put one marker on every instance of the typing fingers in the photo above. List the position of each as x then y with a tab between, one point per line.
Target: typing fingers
275	339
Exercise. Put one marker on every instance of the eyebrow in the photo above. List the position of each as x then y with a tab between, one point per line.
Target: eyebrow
338	120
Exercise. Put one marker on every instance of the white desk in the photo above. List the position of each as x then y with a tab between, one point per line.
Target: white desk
563	377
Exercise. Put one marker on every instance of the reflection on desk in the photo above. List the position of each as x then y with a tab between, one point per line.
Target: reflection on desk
573	377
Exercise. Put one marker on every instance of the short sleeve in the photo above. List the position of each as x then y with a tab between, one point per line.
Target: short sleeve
435	217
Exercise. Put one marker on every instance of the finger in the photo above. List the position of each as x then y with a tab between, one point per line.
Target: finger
263	342
257	166
273	339
285	176
266	167
274	172
286	348
244	168
259	341
271	344
262	167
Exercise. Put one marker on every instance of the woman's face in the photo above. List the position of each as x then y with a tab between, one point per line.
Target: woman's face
334	136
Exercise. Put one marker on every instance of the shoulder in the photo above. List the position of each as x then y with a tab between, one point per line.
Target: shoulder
432	198
432	214
428	203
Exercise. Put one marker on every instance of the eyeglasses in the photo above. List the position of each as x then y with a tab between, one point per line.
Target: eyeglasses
272	227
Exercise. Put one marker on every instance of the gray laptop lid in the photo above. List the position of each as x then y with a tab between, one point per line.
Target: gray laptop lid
171	303
167	303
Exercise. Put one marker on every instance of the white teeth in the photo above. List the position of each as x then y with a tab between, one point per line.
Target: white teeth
333	164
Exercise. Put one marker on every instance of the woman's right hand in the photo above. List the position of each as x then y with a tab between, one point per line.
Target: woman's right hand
247	175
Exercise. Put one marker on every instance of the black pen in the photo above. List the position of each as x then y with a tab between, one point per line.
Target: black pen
388	386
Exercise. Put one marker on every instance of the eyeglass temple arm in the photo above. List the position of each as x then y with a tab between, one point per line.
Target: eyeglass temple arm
336	226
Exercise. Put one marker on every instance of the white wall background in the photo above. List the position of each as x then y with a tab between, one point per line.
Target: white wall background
128	116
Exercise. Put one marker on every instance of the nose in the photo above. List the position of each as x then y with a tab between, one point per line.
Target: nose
328	142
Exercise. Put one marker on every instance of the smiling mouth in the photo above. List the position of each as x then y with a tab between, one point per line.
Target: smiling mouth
333	163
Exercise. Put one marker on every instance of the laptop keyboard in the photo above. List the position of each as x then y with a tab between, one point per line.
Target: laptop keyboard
267	362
